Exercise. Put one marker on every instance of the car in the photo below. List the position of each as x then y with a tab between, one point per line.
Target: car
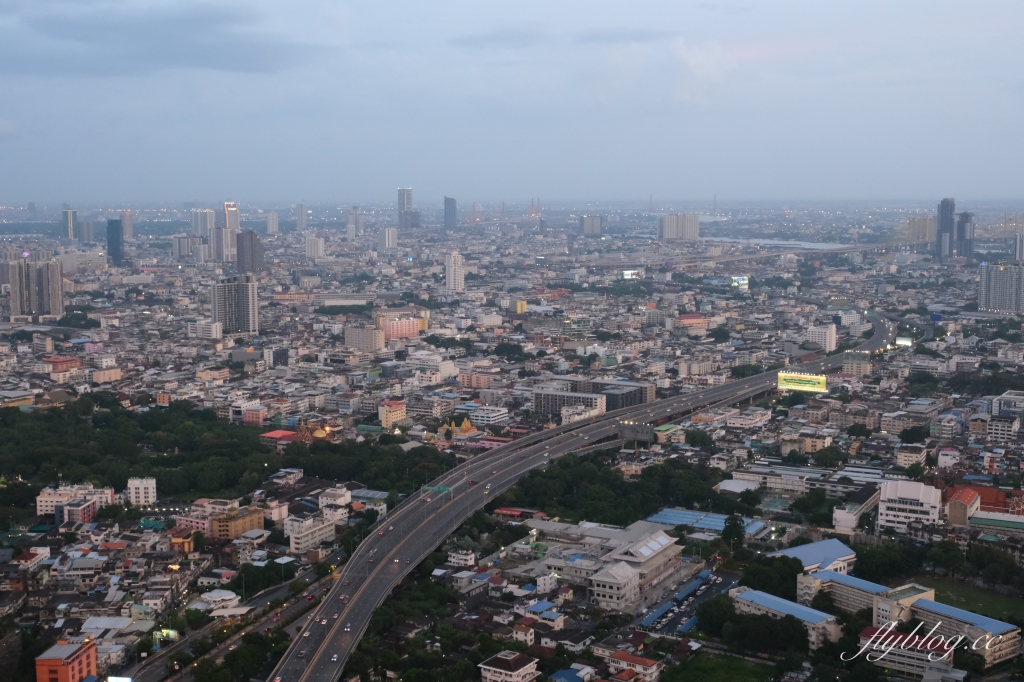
335	616
471	481
522	456
323	622
494	473
266	629
325	589
426	499
396	561
406	561
348	627
309	596
488	486
277	679
302	654
391	527
232	647
305	634
334	658
345	584
486	491
371	561
545	454
381	533
437	506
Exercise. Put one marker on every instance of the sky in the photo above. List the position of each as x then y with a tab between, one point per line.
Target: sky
139	101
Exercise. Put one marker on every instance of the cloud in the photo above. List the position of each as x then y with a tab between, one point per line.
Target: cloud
708	63
92	38
505	37
617	36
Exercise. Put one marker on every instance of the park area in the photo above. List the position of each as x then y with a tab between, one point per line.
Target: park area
984	602
710	668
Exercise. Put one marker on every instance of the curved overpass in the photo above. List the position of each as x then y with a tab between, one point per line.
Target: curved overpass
414	528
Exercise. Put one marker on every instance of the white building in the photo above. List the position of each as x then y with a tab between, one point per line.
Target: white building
824	336
49	499
454	272
307	531
462	557
486	416
336	496
141	492
205	329
509	666
314	247
904	501
578	413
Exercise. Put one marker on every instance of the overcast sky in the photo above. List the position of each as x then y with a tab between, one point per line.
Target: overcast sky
150	100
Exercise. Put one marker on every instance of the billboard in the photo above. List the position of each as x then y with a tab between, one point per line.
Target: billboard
741	282
811	383
905	341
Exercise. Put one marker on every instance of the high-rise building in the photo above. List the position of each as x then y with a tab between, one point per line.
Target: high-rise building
404	199
85	231
450	219
224	244
272	222
300	217
69	223
233	303
367	339
964	235
115	241
250	252
36	288
141	492
232	216
591	225
454	272
1001	288
204	221
315	247
354	223
128	225
824	336
679	227
945	230
410	220
1018	246
922	228
389	239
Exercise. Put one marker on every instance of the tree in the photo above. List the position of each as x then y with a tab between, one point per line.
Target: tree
828	457
858	431
322	569
914	434
744	371
866	521
713	614
699	439
751	497
733	533
774	575
719	334
915	471
198	541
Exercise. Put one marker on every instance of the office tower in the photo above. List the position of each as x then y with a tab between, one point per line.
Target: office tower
1001	288
115	241
922	228
300	217
1018	247
404	199
409	220
965	235
224	245
389	239
454	272
204	221
128	225
37	288
314	247
233	303
85	231
232	216
69	223
449	214
250	252
272	222
945	228
591	225
354	223
679	227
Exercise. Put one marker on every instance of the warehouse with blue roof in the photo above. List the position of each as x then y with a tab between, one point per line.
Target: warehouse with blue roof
826	555
821	627
999	641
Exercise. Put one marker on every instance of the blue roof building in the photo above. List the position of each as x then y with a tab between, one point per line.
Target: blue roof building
820	626
825	555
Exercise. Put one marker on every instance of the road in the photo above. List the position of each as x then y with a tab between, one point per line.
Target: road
413	529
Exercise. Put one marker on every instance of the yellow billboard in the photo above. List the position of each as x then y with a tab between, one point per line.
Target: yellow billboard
811	383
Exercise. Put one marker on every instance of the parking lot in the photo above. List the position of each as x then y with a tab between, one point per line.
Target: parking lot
681	612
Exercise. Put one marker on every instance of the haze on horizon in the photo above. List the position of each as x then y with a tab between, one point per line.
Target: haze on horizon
131	101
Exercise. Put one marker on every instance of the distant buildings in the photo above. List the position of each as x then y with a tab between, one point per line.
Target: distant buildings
232	216
353	223
679	227
69	223
591	225
945	235
272	220
234	305
314	248
922	228
300	217
450	219
389	239
128	223
367	339
454	272
1001	288
36	288
965	235
204	221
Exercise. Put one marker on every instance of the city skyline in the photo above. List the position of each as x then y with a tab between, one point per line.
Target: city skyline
759	103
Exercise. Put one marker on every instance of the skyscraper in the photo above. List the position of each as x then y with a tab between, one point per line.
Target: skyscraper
404	199
315	247
250	252
965	235
591	225
115	241
128	225
389	239
69	223
232	216
85	231
233	303
945	230
37	288
1018	247
272	222
679	227
300	217
454	272
1001	288
204	221
354	223
450	219
922	228
224	245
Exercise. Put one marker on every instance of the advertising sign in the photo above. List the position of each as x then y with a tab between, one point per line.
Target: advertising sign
811	383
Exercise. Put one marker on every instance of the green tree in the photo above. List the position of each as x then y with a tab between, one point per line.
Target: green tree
915	471
733	533
322	569
858	431
699	439
198	541
719	334
714	613
828	457
914	434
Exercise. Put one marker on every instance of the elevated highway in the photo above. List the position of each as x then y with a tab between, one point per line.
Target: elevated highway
414	528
